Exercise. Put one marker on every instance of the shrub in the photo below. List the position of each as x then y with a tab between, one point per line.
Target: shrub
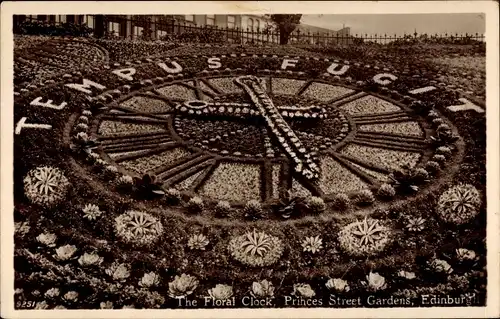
438	158
83	119
366	237
91	211
364	197
82	127
292	205
138	228
444	150
222	209
198	242
110	171
316	204
341	201
312	244
406	179
459	204
195	205
125	182
46	186
420	175
432	167
386	191
256	249
182	286
253	210
437	121
173	196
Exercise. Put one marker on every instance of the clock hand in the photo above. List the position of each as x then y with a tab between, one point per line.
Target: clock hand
198	107
279	128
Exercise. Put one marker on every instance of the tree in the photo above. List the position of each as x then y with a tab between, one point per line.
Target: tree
286	23
99	27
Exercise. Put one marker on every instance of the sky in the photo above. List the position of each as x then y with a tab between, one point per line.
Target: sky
391	24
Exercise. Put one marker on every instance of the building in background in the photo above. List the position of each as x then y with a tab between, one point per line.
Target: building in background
240	28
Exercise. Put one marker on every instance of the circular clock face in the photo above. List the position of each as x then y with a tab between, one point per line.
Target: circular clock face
241	138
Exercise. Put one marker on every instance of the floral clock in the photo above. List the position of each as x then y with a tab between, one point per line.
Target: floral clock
239	138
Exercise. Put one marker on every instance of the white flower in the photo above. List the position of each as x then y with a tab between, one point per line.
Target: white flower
466	254
91	211
86	113
199	241
52	292
416	224
71	296
22	228
128	307
376	281
89	259
440	265
312	244
221	292
337	284
65	252
118	271
303	290
41	305
182	286
149	280
48	239
106	305
406	274
60	307
262	289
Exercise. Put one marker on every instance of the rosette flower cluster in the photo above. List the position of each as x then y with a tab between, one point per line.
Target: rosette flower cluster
256	249
46	186
279	128
138	227
366	237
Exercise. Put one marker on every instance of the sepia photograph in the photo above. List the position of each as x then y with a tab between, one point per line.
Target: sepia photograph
230	156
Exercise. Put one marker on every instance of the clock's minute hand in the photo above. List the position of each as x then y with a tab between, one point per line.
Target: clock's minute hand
303	163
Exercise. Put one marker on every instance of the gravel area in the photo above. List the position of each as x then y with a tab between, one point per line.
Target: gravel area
146	104
379	176
114	155
389	159
299	190
335	178
234	182
405	128
226	85
177	91
368	105
144	164
324	92
286	86
111	127
186	183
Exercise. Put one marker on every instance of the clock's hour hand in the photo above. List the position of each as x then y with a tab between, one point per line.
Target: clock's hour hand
278	127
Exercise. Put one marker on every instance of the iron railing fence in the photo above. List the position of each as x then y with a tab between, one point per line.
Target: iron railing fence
162	28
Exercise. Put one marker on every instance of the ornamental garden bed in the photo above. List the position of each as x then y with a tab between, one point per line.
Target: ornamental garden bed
247	173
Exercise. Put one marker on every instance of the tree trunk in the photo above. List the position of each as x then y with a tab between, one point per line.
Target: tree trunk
99	26
284	37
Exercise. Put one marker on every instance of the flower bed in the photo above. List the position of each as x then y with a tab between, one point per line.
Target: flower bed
77	241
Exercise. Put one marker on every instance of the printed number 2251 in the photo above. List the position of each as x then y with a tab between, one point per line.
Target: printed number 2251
25	304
